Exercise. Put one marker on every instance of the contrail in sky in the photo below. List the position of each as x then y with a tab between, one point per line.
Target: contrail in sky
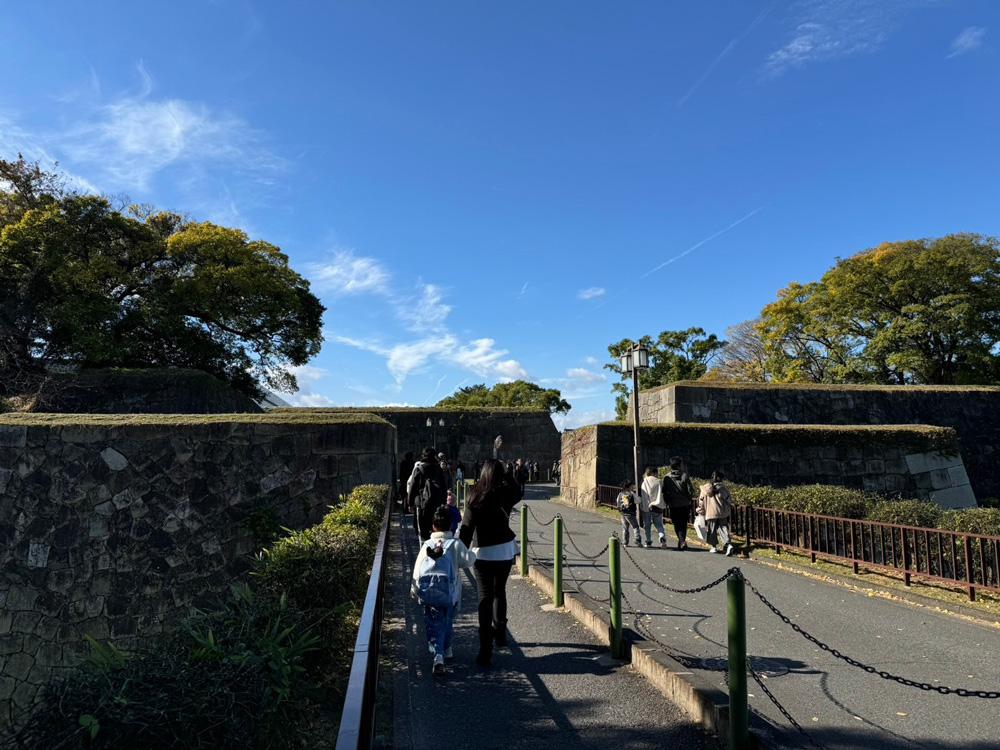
696	245
725	53
436	389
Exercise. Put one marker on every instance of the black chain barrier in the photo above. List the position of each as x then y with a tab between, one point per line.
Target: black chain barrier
535	518
688	661
784	711
665	587
579	588
569	538
962	692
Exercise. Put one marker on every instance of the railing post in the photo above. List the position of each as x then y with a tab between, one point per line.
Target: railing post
739	727
524	540
615	579
557	568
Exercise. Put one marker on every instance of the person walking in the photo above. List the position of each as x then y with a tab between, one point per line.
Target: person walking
627	505
653	506
679	491
427	491
486	531
405	471
716	504
521	474
438	586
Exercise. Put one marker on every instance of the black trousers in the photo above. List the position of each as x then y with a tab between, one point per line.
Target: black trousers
491	578
679	517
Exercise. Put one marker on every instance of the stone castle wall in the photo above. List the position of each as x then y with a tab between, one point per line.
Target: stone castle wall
468	435
973	412
114	527
910	461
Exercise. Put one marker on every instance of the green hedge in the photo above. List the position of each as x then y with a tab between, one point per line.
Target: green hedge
251	673
827	500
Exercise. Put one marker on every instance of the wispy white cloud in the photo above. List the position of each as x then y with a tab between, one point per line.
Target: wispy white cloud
579	384
576	419
725	53
509	370
307	376
592	361
592	293
426	311
585	376
969	40
346	273
523	289
835	29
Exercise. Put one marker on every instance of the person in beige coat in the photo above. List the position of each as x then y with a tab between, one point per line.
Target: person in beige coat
716	504
652	504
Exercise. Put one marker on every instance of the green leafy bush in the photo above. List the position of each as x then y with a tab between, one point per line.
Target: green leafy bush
921	513
972	521
230	679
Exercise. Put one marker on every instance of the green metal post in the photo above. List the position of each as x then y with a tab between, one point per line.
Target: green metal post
557	568
739	727
615	575
524	541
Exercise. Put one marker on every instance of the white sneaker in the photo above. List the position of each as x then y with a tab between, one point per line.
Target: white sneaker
438	664
713	550
729	550
448	653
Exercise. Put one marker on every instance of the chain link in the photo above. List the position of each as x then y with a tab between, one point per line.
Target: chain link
569	538
784	712
962	692
698	590
579	588
535	518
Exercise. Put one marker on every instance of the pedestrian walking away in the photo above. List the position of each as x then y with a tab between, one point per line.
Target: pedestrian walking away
716	505
438	586
486	530
627	505
679	492
427	491
653	504
405	471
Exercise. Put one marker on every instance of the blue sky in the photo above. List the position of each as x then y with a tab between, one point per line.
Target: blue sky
486	191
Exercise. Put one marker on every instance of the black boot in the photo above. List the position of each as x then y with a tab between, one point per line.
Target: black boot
500	635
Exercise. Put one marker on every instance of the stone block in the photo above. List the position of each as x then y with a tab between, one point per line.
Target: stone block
940	479
38	555
959	475
13	436
954	497
115	460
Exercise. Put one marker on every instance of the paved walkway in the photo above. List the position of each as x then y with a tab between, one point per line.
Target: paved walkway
547	689
839	705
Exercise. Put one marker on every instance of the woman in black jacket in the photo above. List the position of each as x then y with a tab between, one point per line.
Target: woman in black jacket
486	531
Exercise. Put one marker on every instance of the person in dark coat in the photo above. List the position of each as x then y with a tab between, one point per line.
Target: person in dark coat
486	529
679	493
405	470
427	491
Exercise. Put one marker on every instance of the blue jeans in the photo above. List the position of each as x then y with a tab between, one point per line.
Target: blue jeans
653	517
439	622
629	522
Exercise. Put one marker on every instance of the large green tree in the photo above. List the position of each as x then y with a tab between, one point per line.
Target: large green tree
920	311
84	285
519	394
674	355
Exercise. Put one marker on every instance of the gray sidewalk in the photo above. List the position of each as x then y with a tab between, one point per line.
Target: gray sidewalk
841	706
548	687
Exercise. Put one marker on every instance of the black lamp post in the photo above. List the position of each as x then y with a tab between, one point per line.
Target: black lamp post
634	361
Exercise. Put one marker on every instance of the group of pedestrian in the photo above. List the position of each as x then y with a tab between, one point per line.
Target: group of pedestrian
482	539
675	496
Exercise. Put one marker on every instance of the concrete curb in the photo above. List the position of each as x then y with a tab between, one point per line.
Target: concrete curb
703	701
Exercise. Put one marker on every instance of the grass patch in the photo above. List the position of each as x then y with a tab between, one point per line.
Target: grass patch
846	388
276	417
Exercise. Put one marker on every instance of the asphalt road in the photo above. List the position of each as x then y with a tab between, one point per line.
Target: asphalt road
547	689
839	705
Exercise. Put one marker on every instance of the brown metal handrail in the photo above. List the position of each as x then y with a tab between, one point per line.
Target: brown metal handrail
971	560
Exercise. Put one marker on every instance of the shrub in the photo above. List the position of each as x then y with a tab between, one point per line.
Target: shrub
971	521
919	513
232	678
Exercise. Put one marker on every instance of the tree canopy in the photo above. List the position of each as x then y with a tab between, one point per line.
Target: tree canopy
85	285
919	311
674	355
518	394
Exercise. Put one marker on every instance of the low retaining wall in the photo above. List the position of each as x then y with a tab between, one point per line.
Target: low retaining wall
911	461
972	411
114	526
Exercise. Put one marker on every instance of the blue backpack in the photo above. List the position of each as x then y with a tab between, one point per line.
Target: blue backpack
436	576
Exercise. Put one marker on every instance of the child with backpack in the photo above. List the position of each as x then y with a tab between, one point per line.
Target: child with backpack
628	503
454	512
437	585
